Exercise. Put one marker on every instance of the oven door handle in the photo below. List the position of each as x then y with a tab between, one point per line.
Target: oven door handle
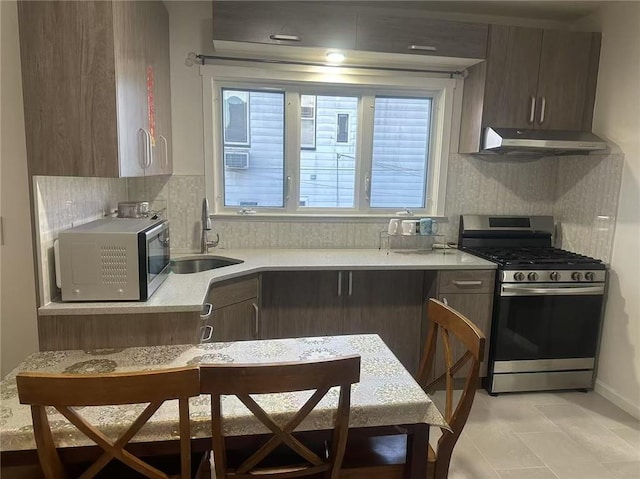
517	290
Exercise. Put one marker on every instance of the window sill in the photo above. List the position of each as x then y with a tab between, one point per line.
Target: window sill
319	218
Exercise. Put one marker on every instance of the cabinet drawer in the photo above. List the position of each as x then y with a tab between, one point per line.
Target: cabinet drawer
232	292
467	281
384	33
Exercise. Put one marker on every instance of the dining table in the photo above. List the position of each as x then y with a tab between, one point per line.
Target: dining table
387	400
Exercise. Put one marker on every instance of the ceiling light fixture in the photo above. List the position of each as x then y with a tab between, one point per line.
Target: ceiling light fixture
335	57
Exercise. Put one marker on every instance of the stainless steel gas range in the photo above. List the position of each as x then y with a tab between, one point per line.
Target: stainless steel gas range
548	306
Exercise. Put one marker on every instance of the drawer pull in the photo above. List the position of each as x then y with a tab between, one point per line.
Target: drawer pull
339	283
466	284
206	339
423	48
285	38
207	308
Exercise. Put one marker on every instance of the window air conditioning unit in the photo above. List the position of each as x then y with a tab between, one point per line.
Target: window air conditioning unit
236	160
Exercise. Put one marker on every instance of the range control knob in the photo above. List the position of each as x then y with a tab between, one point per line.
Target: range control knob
554	276
589	276
576	276
532	276
518	276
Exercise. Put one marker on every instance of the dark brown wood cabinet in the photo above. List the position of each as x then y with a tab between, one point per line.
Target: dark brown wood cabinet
382	32
471	293
532	79
96	88
235	312
301	24
319	303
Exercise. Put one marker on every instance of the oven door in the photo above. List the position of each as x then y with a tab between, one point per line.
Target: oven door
154	258
548	322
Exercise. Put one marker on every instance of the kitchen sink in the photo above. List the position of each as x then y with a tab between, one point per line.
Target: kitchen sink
196	264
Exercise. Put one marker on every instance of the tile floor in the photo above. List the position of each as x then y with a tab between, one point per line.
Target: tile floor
558	435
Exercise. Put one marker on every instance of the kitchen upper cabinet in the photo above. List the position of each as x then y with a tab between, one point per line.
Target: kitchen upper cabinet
302	24
321	303
96	88
532	79
381	32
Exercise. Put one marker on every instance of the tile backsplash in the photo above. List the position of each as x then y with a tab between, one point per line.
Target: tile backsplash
581	192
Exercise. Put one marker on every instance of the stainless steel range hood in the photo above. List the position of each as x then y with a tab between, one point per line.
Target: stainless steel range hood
545	142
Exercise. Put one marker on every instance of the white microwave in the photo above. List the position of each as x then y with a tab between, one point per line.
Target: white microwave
112	259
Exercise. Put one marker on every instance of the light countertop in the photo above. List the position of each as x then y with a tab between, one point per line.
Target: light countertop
187	292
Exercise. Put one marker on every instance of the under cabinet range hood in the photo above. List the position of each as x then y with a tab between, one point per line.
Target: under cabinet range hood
551	142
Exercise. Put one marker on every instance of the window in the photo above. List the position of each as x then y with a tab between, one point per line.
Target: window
292	144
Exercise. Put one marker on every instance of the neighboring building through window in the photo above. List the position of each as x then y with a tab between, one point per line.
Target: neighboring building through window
346	149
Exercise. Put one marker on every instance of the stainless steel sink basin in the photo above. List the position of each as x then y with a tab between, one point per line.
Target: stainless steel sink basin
196	264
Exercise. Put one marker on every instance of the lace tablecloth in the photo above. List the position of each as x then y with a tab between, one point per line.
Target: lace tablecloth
386	394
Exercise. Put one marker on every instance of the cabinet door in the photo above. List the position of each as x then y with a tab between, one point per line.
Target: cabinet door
394	34
68	79
238	322
301	303
513	58
130	27
564	79
159	90
478	309
285	23
390	304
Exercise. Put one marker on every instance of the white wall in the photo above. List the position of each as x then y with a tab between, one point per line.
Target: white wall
18	333
617	118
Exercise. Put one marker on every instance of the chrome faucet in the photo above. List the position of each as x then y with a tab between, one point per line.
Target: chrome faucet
205	243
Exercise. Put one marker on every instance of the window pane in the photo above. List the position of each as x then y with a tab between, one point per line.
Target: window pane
254	172
327	173
401	132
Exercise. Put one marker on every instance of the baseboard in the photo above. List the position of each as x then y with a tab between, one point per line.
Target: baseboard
609	394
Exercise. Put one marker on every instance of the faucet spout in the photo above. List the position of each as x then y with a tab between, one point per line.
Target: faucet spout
205	243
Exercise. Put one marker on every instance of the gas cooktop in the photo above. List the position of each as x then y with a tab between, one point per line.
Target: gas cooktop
538	257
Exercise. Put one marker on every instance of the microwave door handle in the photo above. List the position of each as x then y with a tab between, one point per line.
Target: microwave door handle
512	290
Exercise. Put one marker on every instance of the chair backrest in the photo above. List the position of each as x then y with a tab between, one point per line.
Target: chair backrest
64	391
242	380
447	322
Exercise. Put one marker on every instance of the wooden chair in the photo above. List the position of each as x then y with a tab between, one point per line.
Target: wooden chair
242	380
64	391
383	457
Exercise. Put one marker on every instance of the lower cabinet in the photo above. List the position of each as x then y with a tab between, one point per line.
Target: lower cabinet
470	293
234	310
98	331
321	303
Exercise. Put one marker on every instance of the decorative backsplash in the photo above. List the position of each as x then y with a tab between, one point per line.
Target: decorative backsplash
581	192
64	202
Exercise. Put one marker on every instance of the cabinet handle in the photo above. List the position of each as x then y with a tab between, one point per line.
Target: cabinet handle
144	159
207	308
462	284
543	107
209	328
350	283
339	283
166	150
532	110
285	38
256	320
423	48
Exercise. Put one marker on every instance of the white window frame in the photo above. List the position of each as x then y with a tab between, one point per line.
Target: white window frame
331	80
